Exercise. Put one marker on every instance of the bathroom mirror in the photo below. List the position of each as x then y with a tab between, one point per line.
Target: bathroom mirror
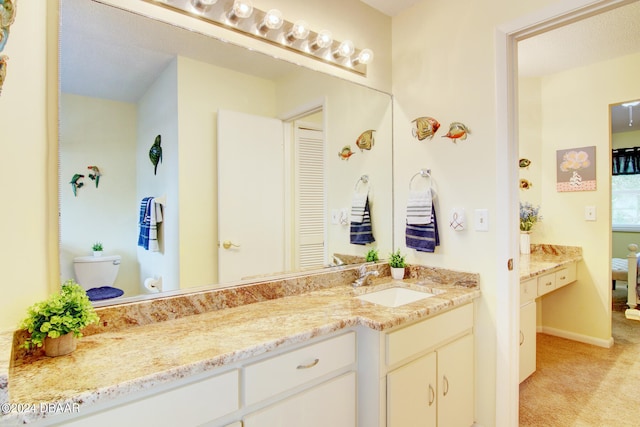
127	78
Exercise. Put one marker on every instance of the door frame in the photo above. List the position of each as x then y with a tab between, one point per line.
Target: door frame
507	287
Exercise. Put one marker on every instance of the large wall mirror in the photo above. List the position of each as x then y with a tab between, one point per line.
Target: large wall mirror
127	80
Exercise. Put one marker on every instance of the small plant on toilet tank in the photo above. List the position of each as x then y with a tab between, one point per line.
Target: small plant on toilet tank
97	249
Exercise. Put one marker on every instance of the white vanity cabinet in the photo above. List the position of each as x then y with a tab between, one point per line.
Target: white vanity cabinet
331	399
530	290
425	374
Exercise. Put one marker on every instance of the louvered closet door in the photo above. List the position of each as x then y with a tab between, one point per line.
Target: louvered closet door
309	195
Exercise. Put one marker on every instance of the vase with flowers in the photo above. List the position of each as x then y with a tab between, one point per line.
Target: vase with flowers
529	216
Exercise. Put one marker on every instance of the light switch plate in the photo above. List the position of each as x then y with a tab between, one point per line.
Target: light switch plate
481	220
589	213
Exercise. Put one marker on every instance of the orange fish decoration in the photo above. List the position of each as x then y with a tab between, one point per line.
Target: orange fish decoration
365	140
457	131
425	127
345	153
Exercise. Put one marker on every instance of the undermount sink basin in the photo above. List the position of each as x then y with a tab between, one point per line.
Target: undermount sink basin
395	297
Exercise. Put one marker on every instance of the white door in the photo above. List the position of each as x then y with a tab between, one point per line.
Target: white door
250	195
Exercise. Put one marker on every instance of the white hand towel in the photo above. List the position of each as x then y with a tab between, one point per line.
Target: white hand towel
419	205
357	206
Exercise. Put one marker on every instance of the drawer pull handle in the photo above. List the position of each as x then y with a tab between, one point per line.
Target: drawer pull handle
549	284
310	365
446	385
563	277
432	395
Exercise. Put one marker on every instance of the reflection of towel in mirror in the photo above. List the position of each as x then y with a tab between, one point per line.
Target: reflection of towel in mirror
150	216
361	232
423	238
358	203
419	205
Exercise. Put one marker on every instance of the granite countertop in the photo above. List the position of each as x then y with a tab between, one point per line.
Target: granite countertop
544	258
120	360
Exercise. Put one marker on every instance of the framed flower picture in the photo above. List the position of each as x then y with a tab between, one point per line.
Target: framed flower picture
576	170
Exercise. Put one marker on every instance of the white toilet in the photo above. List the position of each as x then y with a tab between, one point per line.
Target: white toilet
97	275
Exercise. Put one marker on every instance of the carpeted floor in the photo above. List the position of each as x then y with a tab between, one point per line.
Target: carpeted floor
578	384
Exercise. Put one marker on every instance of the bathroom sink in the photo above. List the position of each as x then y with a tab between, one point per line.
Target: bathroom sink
395	297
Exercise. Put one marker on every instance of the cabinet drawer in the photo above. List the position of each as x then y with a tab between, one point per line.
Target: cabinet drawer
422	336
286	371
546	283
193	404
528	291
566	275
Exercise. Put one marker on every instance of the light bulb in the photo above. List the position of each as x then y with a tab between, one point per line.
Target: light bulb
345	49
364	57
241	9
323	40
272	21
299	31
203	4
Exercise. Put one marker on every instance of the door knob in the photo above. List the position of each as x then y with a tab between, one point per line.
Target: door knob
228	244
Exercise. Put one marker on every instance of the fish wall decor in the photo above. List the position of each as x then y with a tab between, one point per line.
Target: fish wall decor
95	175
7	17
524	163
155	153
365	140
345	153
76	183
457	131
525	184
425	127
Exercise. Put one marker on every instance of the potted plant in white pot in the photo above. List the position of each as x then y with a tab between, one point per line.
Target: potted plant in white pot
97	249
56	322
397	264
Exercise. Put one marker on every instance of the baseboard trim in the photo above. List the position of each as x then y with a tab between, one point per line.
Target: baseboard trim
576	337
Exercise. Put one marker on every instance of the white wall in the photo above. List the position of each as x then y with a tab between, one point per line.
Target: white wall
158	115
102	133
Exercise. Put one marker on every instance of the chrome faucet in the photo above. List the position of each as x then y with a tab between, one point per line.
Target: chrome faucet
363	276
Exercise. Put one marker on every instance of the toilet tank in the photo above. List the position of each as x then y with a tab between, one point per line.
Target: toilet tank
95	272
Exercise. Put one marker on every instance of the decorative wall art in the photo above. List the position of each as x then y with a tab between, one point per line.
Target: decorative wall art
76	183
425	127
345	153
95	174
365	141
525	184
576	169
457	131
524	163
7	17
155	154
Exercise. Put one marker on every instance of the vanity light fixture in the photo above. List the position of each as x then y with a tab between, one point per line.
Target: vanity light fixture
272	21
240	16
203	5
323	40
344	50
298	31
241	9
364	57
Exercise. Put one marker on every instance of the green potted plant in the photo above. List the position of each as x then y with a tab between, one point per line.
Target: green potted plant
97	249
56	322
397	264
372	255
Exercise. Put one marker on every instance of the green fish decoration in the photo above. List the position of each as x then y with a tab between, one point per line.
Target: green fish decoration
155	154
76	183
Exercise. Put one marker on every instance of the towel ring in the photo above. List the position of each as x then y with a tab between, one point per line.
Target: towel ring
425	173
364	179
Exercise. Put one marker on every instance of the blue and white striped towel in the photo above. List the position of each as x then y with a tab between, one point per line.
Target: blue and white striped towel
358	203
150	216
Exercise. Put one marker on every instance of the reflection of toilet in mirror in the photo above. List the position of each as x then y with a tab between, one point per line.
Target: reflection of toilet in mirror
97	276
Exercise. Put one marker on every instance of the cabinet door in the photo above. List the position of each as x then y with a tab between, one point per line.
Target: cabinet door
411	394
456	383
527	340
329	404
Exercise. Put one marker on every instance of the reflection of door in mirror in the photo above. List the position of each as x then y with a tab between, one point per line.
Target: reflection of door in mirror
250	195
